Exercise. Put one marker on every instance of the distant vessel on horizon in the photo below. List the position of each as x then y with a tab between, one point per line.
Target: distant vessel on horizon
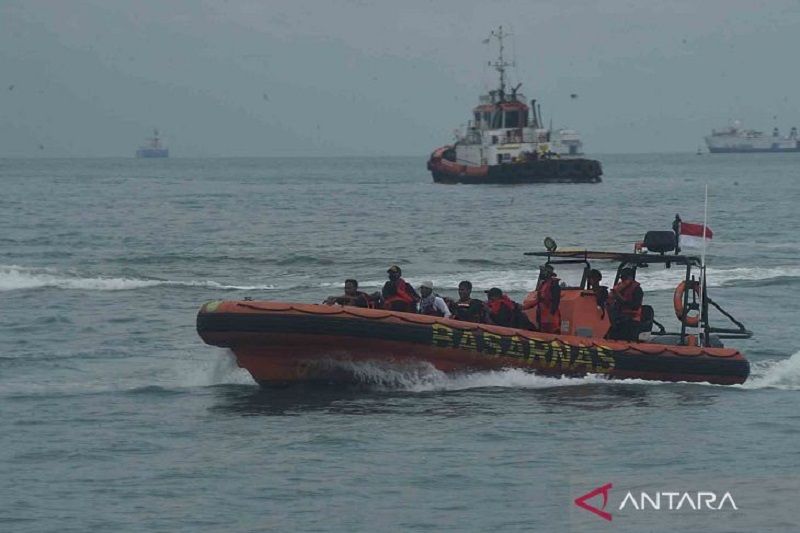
153	148
735	139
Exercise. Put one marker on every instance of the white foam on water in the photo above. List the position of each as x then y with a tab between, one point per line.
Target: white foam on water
218	370
14	277
424	377
783	374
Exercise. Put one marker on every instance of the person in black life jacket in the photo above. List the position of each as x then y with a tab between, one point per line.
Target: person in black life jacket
503	311
398	295
467	308
600	291
625	307
352	296
431	303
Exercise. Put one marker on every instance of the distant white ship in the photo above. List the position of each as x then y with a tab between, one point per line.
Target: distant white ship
735	139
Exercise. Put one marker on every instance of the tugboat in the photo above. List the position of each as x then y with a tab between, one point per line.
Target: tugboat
153	148
282	343
506	142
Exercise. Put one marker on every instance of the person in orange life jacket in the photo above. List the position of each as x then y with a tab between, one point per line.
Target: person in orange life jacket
397	294
431	303
547	300
625	307
503	311
600	291
352	296
467	308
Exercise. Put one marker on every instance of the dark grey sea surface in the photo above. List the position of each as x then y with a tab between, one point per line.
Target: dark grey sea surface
116	416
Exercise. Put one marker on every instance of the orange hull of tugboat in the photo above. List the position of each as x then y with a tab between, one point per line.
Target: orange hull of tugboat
282	343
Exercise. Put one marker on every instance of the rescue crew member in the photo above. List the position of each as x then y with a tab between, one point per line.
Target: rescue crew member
431	303
600	291
467	308
352	296
547	300
398	295
625	307
503	311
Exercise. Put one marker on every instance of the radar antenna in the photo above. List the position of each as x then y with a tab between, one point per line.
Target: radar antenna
501	64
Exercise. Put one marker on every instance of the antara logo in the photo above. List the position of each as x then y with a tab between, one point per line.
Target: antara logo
581	501
657	501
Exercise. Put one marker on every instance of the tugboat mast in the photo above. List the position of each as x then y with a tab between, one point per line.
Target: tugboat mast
500	65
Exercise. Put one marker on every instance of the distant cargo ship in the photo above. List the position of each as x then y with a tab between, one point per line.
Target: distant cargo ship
735	139
153	148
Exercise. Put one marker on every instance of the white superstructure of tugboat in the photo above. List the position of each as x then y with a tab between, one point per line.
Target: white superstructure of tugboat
507	142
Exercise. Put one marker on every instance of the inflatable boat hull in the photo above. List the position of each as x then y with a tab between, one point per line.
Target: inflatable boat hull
280	343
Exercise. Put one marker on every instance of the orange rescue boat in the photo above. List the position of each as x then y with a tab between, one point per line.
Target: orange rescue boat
281	343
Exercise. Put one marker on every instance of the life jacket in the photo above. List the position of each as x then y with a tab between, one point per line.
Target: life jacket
496	305
428	307
468	311
403	297
625	290
549	321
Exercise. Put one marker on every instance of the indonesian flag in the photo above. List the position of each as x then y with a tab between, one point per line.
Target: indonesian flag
692	234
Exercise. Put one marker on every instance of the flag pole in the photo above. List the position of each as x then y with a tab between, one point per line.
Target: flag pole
703	268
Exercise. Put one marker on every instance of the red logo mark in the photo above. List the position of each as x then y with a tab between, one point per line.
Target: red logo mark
581	501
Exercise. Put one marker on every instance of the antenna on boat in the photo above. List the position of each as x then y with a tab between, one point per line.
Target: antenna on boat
501	64
702	295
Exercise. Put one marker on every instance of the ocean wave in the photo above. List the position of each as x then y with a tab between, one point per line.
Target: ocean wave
20	278
14	277
781	374
176	376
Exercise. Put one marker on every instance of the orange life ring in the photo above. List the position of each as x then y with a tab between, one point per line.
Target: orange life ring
677	302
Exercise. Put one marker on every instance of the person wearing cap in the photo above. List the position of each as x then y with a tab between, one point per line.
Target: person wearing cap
467	308
625	307
546	301
431	303
399	295
503	311
352	296
593	279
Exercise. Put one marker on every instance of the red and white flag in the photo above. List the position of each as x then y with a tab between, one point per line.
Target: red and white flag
692	234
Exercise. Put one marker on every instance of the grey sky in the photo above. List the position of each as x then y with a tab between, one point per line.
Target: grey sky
290	78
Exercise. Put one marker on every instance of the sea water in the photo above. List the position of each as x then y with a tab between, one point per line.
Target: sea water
117	417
